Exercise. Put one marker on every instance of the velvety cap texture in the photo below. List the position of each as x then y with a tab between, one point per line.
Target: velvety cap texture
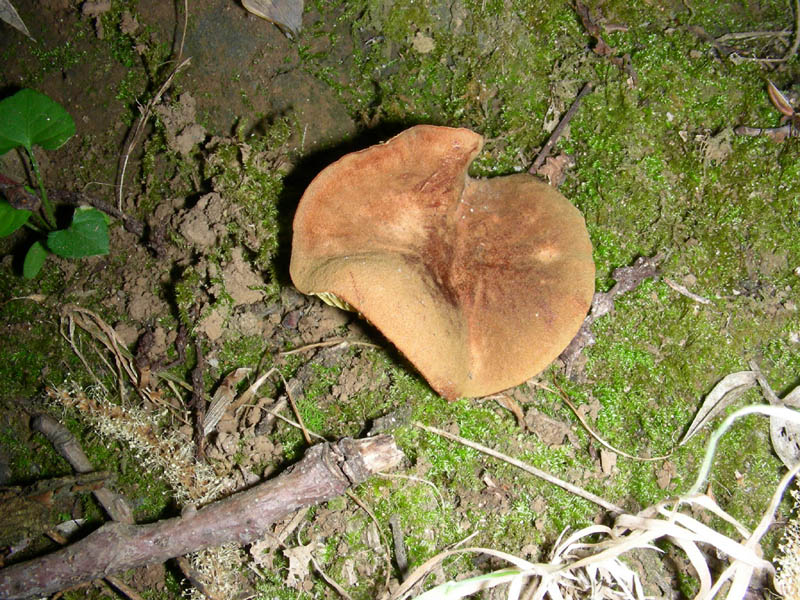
480	283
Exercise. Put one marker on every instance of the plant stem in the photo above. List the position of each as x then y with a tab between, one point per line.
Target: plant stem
50	216
30	225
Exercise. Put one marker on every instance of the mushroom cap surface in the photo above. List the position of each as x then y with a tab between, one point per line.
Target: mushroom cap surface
480	283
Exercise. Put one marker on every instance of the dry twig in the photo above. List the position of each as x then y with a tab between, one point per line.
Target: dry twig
609	506
559	130
326	471
736	57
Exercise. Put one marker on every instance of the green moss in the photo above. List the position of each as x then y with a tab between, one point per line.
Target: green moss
185	295
246	172
271	587
244	351
58	58
35	461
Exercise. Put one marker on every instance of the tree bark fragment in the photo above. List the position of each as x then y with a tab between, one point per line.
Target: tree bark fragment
326	471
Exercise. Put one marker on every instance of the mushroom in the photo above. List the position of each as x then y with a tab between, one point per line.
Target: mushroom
480	283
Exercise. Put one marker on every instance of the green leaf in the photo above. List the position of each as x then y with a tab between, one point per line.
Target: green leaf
11	218
34	260
86	236
30	118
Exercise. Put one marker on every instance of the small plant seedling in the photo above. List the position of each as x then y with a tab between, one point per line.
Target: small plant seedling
27	119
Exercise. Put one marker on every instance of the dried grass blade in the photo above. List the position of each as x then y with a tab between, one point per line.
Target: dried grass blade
421	571
638	539
591	530
741	581
466	587
578	491
698	532
707	502
776	411
699	563
769	514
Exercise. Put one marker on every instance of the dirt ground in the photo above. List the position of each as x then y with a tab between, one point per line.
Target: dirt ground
231	140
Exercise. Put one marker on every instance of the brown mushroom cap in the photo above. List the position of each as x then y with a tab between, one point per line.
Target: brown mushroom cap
480	283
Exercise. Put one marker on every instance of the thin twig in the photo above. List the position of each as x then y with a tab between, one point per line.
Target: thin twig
385	545
796	44
439	497
198	402
185	25
326	344
559	130
131	224
750	35
789	53
296	424
133	139
136	132
526	467
329	580
295	410
684	291
400	556
595	435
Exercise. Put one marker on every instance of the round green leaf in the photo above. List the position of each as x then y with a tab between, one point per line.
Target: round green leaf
86	236
34	260
30	118
11	218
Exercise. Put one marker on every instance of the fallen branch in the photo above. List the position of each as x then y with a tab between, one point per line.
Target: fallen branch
19	197
326	471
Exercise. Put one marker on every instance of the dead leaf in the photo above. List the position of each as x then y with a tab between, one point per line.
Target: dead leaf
286	14
725	393
94	9
349	572
601	48
554	168
422	43
128	25
590	410
263	550
717	148
665	474
512	406
779	100
551	431
608	461
785	434
299	559
9	14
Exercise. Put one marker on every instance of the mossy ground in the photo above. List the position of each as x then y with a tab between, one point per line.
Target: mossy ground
658	169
